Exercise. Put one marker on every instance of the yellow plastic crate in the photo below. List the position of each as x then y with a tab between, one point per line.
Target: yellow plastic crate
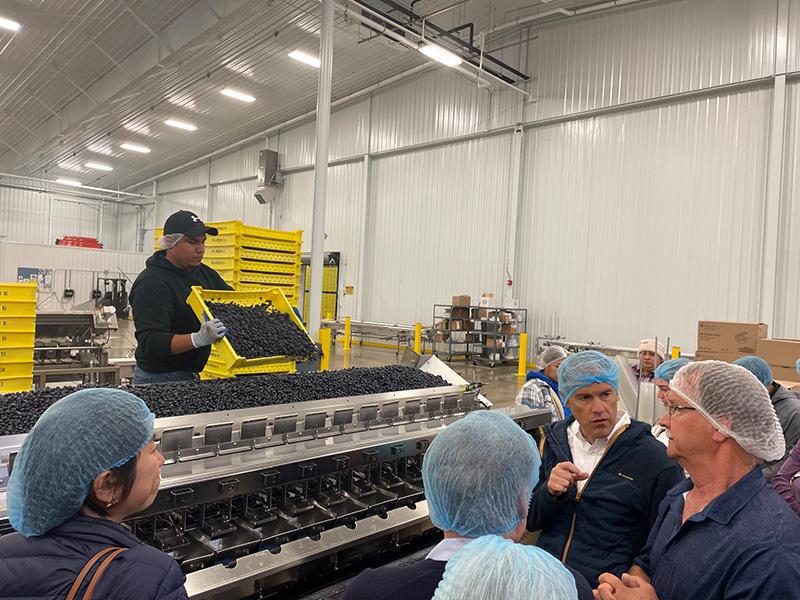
268	278
18	324
239	253
222	351
233	264
9	385
20	369
217	370
18	354
239	228
257	243
18	292
14	338
10	308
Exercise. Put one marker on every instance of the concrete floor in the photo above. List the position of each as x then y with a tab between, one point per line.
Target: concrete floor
500	384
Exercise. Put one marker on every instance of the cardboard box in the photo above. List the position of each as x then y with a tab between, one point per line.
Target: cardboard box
779	353
456	325
723	356
508	328
507	317
493	343
443	325
729	336
459	312
785	374
462	300
470	338
487	299
480	313
468	325
440	336
459	336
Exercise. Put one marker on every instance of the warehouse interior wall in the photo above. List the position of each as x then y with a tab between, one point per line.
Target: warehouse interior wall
648	181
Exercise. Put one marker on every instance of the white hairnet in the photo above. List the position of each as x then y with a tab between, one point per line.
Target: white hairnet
550	355
735	402
170	240
492	567
650	345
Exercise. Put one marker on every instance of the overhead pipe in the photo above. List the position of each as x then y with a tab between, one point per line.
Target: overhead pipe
443	32
401	39
564	12
68	190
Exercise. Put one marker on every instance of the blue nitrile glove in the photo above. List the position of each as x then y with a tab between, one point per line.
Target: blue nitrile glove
210	332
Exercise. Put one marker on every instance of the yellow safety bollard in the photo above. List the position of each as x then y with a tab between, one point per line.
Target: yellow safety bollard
347	334
325	342
676	352
523	354
418	338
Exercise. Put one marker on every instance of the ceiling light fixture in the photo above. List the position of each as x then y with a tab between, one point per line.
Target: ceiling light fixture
304	58
65	181
180	124
441	55
237	95
135	148
98	166
9	24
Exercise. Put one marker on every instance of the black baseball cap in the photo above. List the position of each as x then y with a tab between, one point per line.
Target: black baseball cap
187	223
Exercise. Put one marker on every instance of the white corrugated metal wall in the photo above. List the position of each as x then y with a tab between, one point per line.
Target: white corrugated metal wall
641	205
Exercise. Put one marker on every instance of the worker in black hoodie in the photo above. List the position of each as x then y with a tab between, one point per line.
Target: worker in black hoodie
172	343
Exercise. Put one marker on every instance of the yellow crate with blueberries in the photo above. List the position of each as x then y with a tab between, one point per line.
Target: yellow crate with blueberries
224	361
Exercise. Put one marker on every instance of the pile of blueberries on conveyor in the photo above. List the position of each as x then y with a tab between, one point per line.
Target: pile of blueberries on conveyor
18	412
259	330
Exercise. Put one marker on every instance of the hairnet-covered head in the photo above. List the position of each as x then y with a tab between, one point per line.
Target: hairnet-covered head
758	367
492	567
650	345
76	439
667	369
170	240
585	368
550	355
479	474
735	402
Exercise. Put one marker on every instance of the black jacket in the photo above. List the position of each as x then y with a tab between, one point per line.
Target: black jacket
616	508
787	407
44	567
158	299
417	581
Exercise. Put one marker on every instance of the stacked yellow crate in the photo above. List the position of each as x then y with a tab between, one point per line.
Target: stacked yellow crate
17	332
330	291
252	258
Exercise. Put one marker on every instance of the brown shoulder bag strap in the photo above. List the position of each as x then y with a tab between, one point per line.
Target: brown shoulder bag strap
99	573
73	591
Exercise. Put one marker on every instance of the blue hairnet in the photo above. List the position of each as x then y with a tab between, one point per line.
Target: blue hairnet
479	474
667	370
585	368
74	440
493	567
758	367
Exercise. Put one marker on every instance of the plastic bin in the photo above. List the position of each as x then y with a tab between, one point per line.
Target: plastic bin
18	292
9	385
223	355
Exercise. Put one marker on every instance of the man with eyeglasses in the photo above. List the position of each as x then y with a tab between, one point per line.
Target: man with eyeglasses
603	475
724	533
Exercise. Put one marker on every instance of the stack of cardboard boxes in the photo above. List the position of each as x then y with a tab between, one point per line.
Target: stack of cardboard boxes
729	340
457	323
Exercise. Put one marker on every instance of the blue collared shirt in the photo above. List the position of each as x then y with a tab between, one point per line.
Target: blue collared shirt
745	545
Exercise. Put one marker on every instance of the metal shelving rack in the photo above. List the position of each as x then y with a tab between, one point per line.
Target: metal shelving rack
485	340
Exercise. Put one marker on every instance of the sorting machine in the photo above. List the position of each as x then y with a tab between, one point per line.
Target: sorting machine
282	501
